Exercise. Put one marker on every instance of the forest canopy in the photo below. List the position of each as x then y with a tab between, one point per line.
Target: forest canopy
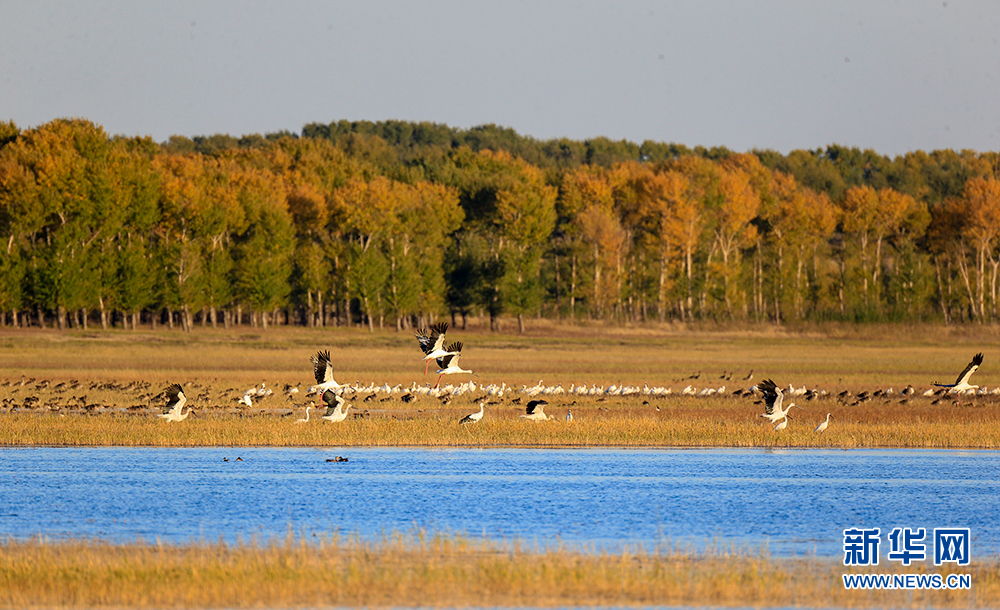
397	223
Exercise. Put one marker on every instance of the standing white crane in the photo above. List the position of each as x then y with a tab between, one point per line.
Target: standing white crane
263	392
306	418
782	425
823	425
773	397
449	364
535	411
962	383
175	402
323	370
336	407
433	344
473	418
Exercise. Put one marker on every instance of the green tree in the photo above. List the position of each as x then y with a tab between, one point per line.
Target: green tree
262	252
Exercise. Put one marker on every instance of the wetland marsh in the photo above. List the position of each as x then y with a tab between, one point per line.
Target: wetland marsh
600	511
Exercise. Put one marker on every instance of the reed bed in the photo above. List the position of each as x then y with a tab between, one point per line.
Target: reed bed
592	427
437	571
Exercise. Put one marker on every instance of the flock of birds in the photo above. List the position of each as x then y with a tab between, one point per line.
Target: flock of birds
432	344
773	396
434	348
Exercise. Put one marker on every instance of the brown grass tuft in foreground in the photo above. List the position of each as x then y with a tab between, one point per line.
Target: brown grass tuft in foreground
435	571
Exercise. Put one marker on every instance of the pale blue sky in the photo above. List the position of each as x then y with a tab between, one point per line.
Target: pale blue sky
892	76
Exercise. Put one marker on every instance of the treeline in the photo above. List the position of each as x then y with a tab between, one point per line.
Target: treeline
395	223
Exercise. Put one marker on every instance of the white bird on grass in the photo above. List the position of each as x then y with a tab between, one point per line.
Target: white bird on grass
824	425
962	383
175	402
306	418
472	418
336	407
782	425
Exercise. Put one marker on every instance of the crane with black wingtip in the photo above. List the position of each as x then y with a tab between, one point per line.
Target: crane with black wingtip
432	343
962	383
175	402
449	364
323	371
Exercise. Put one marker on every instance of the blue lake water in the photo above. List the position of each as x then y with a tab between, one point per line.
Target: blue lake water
796	502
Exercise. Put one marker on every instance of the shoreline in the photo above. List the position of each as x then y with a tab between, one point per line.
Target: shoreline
434	570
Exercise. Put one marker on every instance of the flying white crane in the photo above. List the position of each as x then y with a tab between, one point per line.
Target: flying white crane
535	411
962	383
449	364
823	425
433	344
773	397
175	402
473	418
336	407
323	370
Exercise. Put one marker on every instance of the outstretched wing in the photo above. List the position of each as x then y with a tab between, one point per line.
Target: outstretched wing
424	340
772	395
970	369
433	340
175	397
535	406
452	358
322	367
437	335
332	400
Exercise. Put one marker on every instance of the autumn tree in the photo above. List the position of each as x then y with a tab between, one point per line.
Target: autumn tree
507	205
693	225
870	217
981	212
432	213
62	204
262	251
800	221
369	209
672	203
132	248
588	196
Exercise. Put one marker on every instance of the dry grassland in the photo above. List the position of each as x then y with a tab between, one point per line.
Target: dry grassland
77	388
435	571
